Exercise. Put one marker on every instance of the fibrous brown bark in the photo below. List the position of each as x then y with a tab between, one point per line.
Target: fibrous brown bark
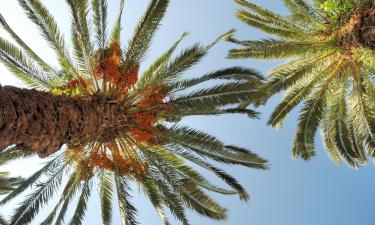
360	29
367	30
41	122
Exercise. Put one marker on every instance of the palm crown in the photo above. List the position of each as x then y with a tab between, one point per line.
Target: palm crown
142	143
330	69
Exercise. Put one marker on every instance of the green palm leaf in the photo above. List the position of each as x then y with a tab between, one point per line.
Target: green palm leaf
99	8
33	202
21	66
34	56
49	30
81	32
105	193
81	208
145	30
116	32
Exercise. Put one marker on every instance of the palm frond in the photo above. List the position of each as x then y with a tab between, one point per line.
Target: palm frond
186	172
305	12
274	49
338	131
81	32
310	117
209	146
159	63
32	180
191	195
197	200
145	30
13	153
116	31
127	210
231	181
285	30
221	95
182	62
79	212
34	56
294	95
65	197
44	191
69	192
360	117
267	16
183	111
99	8
288	74
105	195
171	199
39	14
228	74
21	66
8	184
152	192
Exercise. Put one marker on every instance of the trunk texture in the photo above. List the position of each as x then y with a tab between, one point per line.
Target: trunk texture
367	30
41	122
360	29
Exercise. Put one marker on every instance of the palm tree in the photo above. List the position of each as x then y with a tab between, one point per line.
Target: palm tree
330	68
96	118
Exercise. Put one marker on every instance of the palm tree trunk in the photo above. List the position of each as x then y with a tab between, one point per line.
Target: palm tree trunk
367	30
41	122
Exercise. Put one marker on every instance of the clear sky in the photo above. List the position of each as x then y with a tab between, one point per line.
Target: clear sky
292	192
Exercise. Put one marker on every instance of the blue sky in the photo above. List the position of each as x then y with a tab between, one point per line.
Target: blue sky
292	192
